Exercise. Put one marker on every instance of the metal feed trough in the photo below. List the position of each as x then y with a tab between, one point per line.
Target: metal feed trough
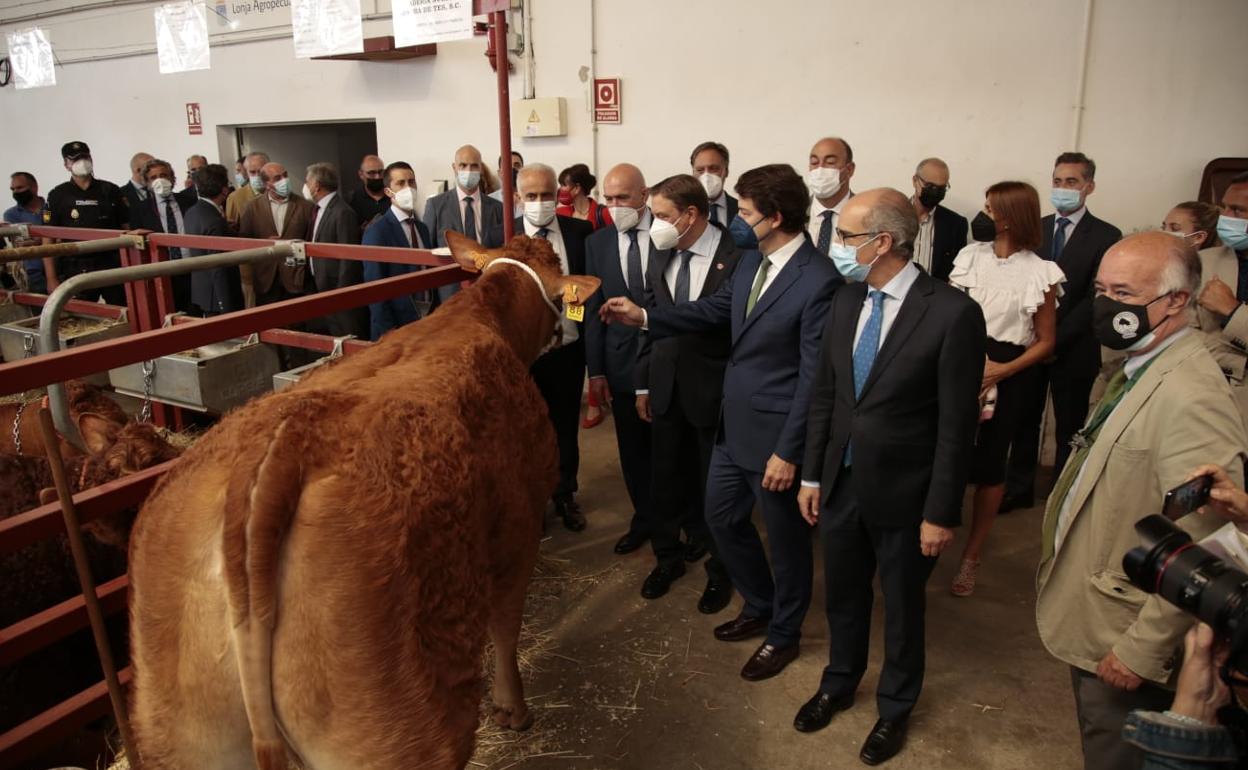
214	378
20	339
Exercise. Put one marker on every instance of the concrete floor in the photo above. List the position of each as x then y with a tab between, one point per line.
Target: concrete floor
628	683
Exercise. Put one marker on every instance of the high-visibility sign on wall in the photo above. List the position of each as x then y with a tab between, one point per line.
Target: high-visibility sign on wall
606	100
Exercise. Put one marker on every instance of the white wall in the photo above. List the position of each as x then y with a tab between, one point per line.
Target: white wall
987	84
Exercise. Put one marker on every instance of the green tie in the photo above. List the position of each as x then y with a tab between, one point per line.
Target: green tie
759	280
1116	388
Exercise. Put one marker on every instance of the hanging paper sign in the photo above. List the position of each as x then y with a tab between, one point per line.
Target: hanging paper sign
431	21
30	55
326	27
182	37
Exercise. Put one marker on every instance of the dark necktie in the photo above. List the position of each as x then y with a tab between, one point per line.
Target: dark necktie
1241	291
825	233
316	216
172	226
411	232
543	232
470	219
682	277
636	284
715	214
1059	238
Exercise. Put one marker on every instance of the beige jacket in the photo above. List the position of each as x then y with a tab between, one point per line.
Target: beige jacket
1179	414
1229	346
234	205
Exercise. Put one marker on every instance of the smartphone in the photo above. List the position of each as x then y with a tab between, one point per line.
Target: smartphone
1187	497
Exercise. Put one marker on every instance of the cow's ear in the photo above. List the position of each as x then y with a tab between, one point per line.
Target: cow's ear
576	289
467	253
98	433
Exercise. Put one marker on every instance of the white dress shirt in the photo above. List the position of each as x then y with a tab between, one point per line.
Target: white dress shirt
570	330
643	245
278	208
1131	367
703	250
180	226
476	208
816	216
402	216
923	241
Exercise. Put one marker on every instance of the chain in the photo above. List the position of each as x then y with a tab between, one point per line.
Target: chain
149	372
28	350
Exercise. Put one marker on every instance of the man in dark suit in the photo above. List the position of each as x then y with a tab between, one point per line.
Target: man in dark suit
465	208
399	228
619	255
679	383
135	191
709	163
1076	240
560	372
218	290
163	212
333	221
888	450
775	306
942	233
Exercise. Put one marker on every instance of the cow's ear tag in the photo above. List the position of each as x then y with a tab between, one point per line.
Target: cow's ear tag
572	306
478	261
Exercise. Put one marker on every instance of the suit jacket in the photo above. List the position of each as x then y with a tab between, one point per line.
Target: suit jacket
392	313
611	349
1078	353
257	222
691	365
144	214
731	214
1229	344
442	214
338	224
948	238
219	290
133	201
235	204
1179	414
771	367
913	427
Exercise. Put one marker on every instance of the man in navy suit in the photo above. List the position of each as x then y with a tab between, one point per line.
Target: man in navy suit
397	227
464	208
219	290
709	163
619	255
775	305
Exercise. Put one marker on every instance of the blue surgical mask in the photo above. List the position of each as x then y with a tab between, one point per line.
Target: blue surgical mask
282	188
1064	199
239	179
742	234
257	184
468	180
846	260
1233	232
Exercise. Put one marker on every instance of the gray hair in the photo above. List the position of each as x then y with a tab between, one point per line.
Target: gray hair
153	163
325	175
197	157
894	215
263	156
931	161
1182	271
536	168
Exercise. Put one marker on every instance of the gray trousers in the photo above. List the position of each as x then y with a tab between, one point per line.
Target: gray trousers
1102	710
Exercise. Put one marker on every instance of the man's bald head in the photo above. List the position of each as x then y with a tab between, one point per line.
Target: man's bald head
882	212
137	163
625	185
468	155
831	152
1148	265
467	162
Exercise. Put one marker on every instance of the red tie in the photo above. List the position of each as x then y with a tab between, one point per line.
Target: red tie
411	232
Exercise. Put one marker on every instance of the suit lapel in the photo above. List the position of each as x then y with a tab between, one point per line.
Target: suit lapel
457	221
720	267
780	284
848	313
659	262
741	291
913	308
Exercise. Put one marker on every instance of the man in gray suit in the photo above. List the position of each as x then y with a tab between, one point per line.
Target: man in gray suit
464	208
333	221
218	290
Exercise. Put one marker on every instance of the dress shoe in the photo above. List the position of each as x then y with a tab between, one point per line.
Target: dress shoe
767	661
884	742
1016	503
630	542
716	597
694	551
741	628
660	579
570	512
818	711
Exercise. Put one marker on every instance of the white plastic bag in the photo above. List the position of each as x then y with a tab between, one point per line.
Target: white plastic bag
182	37
326	27
30	54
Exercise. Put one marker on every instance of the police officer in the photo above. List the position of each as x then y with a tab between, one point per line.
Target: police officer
85	201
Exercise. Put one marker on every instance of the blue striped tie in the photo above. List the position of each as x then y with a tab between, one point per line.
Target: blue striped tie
866	350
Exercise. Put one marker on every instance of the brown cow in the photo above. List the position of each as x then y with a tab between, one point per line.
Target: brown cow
83	398
316	577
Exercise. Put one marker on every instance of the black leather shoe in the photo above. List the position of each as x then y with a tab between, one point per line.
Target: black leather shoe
1016	503
630	542
660	580
884	742
716	597
694	551
817	713
767	661
741	628
570	512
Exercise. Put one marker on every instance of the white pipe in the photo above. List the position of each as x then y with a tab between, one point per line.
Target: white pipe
593	73
530	64
71	9
1081	81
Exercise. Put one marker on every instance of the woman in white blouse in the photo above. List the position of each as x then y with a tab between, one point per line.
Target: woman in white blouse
1018	292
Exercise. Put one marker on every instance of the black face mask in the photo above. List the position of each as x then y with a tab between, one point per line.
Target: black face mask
1120	325
374	185
23	197
931	196
983	229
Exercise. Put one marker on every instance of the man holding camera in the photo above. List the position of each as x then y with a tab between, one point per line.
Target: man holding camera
1165	410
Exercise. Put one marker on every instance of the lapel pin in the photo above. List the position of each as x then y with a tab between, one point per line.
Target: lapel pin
719	265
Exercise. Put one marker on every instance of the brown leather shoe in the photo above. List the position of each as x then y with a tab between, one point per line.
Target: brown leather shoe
741	628
767	661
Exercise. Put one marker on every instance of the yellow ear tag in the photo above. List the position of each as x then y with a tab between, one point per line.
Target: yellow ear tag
478	260
572	306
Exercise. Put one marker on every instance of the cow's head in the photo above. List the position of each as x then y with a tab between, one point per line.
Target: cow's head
560	291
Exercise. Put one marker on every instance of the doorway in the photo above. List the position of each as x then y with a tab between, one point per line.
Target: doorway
298	145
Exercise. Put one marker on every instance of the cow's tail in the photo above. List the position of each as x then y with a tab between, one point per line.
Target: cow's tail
261	499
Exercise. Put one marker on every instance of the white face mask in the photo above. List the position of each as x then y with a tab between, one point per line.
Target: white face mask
162	188
307	193
624	217
713	183
539	213
82	167
405	199
824	182
664	235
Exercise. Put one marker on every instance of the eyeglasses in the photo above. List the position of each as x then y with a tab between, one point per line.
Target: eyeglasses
946	187
843	236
